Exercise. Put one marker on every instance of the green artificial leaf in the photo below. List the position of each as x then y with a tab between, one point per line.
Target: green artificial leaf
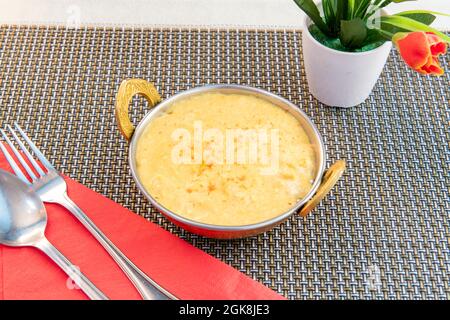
311	10
374	36
330	17
376	3
409	24
424	16
375	7
384	3
353	33
350	9
379	4
361	8
341	10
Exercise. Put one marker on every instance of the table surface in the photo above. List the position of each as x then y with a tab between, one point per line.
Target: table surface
272	14
383	231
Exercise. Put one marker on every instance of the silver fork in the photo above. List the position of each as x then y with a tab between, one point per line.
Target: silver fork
51	187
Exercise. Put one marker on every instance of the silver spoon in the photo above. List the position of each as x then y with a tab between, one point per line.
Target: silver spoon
23	219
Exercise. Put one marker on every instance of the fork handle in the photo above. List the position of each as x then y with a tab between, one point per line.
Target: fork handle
79	278
147	287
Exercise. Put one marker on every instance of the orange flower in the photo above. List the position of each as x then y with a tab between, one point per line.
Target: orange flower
420	50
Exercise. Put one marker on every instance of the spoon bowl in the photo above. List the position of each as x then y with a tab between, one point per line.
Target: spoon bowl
23	219
23	216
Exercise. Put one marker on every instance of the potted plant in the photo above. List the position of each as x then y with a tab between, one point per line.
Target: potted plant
346	44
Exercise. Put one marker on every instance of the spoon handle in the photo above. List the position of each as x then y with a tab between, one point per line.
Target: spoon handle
74	273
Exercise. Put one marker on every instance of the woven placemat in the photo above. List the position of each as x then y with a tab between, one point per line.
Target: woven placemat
383	232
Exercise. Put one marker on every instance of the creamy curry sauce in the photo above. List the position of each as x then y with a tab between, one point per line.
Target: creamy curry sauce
219	190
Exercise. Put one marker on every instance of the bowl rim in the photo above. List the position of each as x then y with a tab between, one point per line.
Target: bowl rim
212	227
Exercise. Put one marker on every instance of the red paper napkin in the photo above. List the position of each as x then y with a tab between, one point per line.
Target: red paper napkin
187	272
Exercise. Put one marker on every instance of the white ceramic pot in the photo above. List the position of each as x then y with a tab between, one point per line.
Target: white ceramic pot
337	78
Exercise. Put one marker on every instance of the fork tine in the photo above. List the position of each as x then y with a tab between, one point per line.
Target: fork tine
27	153
19	156
35	149
14	165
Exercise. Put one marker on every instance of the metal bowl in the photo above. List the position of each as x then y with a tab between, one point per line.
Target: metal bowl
323	182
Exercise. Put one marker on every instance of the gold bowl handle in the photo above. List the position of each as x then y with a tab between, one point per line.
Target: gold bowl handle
329	179
128	88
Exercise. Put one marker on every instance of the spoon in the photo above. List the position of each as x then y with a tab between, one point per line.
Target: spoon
23	219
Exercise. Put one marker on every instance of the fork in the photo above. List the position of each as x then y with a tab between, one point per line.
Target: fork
52	188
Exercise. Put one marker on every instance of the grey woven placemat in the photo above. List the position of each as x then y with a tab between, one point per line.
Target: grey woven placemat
383	232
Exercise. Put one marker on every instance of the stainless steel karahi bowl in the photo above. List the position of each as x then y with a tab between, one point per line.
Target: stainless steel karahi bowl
324	179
